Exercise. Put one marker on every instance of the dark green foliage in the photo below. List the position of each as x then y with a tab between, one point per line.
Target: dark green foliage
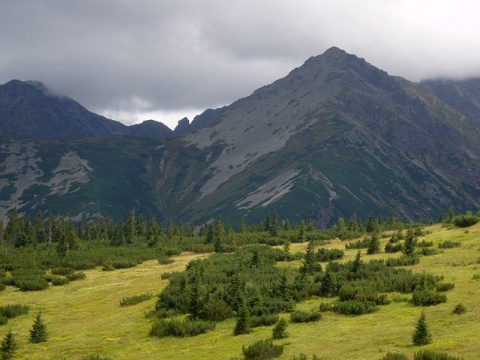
305	316
459	309
13	310
8	346
108	265
402	261
359	244
466	220
329	254
425	297
447	244
76	276
373	244
433	355
262	349
38	333
165	260
242	326
391	247
136	299
355	307
421	336
395	356
444	286
59	280
217	310
410	243
177	328
263	320
280	330
63	271
310	264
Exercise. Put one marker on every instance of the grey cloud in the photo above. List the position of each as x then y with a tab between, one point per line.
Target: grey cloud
146	56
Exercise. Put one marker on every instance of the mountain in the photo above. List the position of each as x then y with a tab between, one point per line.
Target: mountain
462	95
334	137
29	111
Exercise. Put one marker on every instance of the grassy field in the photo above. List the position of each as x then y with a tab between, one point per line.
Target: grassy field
85	317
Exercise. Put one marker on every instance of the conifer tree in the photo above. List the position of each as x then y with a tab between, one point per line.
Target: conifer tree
8	346
242	325
129	227
357	262
280	330
38	333
409	244
421	336
374	244
309	263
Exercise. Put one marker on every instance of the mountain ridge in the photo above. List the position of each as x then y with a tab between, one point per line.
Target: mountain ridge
334	137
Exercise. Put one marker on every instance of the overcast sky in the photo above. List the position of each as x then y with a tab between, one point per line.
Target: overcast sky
133	60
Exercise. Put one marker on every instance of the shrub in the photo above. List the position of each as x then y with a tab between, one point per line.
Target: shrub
427	251
423	297
64	271
459	309
444	286
395	356
305	316
262	349
466	220
136	299
59	280
3	320
393	247
447	244
124	263
177	328
165	260
76	276
355	307
217	310
263	320
433	355
11	311
329	255
402	261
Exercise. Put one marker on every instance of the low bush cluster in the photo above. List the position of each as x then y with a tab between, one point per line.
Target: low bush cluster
425	297
136	299
305	316
262	349
447	244
325	255
263	320
11	311
177	328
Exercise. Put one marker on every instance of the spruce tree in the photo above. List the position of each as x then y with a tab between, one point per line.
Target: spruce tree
8	347
280	330
38	333
374	244
243	320
421	336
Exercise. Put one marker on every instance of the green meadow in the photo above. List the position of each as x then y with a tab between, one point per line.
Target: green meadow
84	318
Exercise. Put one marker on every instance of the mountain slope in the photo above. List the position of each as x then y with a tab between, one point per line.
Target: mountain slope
462	95
29	111
336	136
